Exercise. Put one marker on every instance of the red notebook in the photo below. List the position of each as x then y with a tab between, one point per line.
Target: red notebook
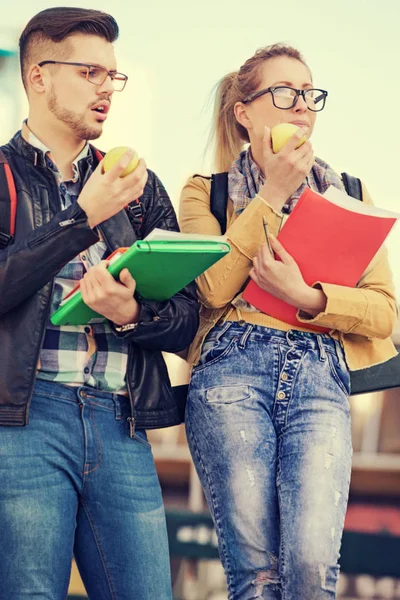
333	238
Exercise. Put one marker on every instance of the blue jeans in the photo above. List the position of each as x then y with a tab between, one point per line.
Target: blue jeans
268	426
73	481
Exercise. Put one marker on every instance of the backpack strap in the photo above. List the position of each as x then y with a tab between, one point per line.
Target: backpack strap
8	203
352	186
219	198
219	194
134	208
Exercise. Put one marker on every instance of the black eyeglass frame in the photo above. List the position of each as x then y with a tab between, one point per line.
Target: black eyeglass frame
272	89
111	74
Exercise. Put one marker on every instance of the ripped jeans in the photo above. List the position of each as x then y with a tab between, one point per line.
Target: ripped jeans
268	425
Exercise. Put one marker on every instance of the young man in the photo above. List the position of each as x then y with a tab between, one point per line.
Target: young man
76	470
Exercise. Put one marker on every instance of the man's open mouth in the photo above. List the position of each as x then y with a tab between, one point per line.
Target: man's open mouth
102	108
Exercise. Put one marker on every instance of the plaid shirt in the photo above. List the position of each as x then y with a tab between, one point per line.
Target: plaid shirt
79	355
245	179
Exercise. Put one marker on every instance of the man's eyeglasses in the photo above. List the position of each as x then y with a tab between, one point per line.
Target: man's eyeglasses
285	97
94	74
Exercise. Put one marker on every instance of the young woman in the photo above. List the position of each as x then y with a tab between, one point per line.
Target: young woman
268	419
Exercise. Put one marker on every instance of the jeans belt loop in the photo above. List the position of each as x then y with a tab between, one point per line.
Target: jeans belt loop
117	407
243	339
322	353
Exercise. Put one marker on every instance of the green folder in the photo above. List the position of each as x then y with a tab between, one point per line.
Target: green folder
160	267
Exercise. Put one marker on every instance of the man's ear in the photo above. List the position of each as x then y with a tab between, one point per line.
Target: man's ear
37	79
240	111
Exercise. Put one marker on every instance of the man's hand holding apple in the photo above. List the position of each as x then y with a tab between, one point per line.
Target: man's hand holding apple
106	193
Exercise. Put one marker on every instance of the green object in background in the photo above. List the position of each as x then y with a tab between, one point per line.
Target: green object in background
372	554
191	535
4	52
160	267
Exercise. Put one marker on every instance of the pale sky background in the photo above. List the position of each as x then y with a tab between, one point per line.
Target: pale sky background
174	52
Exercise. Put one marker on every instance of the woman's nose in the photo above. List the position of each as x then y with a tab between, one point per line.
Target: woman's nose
301	104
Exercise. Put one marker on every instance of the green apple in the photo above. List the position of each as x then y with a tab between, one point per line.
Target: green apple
113	156
281	133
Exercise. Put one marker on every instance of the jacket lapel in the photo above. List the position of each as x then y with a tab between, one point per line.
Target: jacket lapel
118	232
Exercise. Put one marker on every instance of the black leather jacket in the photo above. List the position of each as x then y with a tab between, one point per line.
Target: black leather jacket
46	239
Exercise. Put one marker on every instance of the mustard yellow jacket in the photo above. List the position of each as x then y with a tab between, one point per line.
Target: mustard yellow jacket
362	318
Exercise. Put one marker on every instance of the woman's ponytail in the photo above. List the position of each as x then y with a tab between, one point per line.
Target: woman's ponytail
229	136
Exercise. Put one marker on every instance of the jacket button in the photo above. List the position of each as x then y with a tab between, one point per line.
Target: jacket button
281	395
156	318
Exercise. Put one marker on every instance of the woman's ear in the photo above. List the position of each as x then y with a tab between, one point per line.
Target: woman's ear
240	111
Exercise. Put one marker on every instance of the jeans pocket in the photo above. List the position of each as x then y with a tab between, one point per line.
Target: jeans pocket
140	436
227	394
214	350
339	369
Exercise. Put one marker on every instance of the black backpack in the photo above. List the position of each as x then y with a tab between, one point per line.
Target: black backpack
378	377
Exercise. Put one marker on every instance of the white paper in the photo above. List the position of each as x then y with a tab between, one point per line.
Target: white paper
165	235
342	199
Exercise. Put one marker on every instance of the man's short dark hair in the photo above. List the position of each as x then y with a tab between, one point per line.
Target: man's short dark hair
54	25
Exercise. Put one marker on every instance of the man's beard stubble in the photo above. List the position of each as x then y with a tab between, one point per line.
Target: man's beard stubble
74	121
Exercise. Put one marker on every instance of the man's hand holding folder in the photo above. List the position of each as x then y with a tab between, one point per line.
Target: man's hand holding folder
159	267
110	297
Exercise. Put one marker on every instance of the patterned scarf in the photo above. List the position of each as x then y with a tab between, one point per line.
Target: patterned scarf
245	179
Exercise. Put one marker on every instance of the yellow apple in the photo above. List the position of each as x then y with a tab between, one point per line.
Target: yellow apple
281	133
113	156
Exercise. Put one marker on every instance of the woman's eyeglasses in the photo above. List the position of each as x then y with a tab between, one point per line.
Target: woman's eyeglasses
94	74
285	97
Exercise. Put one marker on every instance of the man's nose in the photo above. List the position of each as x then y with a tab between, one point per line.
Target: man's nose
106	87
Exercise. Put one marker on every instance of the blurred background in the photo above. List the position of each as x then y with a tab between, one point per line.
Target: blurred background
174	53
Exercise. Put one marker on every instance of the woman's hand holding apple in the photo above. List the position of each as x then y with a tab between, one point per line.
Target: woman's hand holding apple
286	169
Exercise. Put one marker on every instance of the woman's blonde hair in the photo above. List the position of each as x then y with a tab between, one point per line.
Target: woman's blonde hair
228	135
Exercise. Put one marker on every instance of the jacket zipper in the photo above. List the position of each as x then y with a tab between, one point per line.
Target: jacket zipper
131	420
62	224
